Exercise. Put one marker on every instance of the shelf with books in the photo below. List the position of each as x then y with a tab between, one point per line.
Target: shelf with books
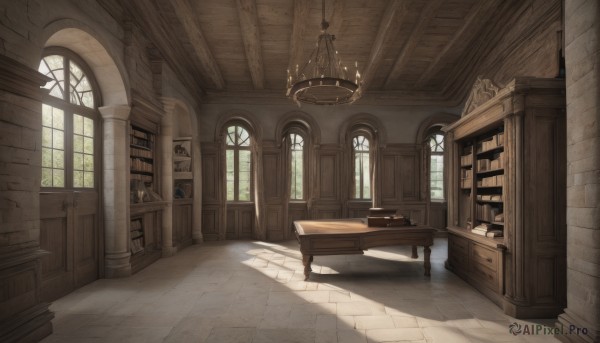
515	215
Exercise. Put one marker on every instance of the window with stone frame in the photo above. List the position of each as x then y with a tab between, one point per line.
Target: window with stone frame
297	165
436	166
238	163
69	122
361	157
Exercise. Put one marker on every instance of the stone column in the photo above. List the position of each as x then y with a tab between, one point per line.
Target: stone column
197	205
116	191
167	177
582	39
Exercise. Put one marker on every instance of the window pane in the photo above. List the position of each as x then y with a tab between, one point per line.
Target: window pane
297	175
244	162
244	175
243	137
230	135
366	175
78	124
436	177
53	67
80	87
58	178
47	157
88	179
58	139
77	161
88	127
77	143
88	163
357	174
77	179
58	118
47	137
88	145
244	191
230	176
58	159
46	177
230	190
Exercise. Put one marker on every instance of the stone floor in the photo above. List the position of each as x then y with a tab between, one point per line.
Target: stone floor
247	291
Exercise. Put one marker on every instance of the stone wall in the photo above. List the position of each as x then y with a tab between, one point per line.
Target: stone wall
582	23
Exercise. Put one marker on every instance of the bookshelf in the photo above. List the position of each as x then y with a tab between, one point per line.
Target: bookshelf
146	205
182	191
507	195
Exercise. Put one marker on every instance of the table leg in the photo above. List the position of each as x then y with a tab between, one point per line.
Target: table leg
427	253
306	261
414	252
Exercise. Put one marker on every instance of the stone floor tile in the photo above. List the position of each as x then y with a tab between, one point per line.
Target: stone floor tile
374	322
394	335
231	335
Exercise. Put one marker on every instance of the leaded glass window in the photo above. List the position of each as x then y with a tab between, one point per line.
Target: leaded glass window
68	127
296	143
238	164
436	167
362	168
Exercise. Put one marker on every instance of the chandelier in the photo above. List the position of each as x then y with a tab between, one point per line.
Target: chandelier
323	80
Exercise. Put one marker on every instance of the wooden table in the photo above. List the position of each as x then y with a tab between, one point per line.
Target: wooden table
353	236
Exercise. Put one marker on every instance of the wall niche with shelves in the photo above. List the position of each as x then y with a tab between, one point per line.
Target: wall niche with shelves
507	195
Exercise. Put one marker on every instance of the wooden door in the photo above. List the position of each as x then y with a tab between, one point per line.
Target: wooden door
240	221
69	231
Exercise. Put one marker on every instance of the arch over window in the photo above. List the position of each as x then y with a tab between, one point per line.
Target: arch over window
69	122
436	166
238	163
361	157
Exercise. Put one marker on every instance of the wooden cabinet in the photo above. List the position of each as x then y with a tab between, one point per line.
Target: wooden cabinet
183	184
145	203
507	195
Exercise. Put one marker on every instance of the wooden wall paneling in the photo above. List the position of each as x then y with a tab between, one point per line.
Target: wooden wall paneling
246	224
56	237
210	222
388	183
210	177
329	175
231	224
86	235
409	176
296	211
358	209
274	222
182	224
274	176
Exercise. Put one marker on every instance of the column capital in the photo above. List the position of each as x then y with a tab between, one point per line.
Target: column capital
169	104
116	112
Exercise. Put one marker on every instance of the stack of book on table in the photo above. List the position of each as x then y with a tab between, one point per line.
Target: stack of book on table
487	230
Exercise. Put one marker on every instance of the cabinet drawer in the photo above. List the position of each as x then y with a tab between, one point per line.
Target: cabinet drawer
484	256
458	246
484	276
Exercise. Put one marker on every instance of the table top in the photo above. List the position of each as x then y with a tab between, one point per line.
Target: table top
346	226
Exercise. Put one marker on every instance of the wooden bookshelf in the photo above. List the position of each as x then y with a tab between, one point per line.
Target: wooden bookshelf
512	150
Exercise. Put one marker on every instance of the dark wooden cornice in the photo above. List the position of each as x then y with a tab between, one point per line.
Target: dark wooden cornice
21	80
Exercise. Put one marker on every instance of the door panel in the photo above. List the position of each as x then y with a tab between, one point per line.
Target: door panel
69	231
56	237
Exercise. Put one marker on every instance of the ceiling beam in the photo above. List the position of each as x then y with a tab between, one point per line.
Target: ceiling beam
411	43
301	11
247	14
478	14
376	55
186	15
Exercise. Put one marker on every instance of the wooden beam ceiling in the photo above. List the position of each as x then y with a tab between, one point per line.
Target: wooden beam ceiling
185	13
335	21
426	15
251	36
377	49
301	11
478	14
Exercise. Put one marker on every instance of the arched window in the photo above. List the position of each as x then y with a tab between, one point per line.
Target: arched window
436	166
69	119
296	146
361	156
238	160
